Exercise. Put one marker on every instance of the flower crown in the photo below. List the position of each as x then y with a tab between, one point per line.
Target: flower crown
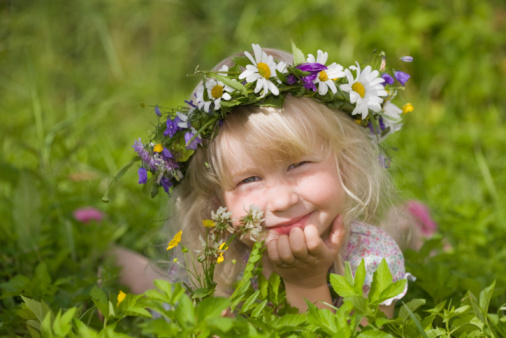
364	94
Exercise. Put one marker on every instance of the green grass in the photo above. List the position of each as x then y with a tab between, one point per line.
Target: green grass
73	76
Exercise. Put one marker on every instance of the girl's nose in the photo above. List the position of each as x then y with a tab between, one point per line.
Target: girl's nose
282	197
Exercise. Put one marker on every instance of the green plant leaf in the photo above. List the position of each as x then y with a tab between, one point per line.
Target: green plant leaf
211	308
258	310
185	312
230	82
359	279
100	300
342	287
421	331
381	279
39	309
248	303
298	56
62	324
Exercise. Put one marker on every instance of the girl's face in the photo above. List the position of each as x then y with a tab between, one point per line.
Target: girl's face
290	194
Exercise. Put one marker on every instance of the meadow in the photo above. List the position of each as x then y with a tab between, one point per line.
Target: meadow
78	83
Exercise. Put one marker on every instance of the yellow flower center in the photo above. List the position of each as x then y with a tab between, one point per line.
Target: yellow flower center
359	88
217	92
264	70
323	76
208	223
407	108
158	148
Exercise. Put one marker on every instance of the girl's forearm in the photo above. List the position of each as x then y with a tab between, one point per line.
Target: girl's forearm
297	296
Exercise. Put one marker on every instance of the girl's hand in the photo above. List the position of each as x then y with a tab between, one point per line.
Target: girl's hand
303	260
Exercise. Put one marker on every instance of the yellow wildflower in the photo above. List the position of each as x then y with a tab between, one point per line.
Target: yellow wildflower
220	258
158	148
208	223
175	241
223	246
121	297
407	108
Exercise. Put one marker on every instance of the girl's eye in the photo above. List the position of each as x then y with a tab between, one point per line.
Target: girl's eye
298	164
250	179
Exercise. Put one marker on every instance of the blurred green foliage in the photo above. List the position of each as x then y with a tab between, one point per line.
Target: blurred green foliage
73	75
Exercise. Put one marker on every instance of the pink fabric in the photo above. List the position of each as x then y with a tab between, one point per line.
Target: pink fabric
420	211
372	244
88	214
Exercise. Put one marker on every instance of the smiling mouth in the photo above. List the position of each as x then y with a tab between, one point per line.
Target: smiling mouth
285	227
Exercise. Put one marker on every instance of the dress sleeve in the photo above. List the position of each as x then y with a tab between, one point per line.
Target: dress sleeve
373	244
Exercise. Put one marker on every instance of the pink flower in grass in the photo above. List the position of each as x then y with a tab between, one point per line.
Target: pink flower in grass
419	210
87	214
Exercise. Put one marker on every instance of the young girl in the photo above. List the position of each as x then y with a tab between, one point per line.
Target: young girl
265	132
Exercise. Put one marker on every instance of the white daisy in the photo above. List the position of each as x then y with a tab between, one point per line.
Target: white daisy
365	90
216	91
262	70
326	78
392	116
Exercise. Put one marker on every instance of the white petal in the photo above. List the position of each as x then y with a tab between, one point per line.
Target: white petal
258	52
310	58
248	55
322	88
332	86
274	90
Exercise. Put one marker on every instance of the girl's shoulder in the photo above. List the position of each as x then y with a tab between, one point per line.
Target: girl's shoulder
373	244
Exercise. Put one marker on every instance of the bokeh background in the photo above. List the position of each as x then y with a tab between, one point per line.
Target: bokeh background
78	80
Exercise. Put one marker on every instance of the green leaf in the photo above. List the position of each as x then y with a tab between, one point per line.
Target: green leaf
416	321
274	283
250	301
242	61
185	312
485	296
222	324
288	321
374	333
230	82
360	274
392	290
45	326
258	310
39	309
211	308
381	279
100	300
341	285
298	56
413	305
62	324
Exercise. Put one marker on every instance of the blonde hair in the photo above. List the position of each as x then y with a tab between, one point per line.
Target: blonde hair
268	134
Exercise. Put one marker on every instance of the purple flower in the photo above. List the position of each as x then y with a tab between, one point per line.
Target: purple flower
388	79
143	175
172	127
311	67
190	103
291	79
401	77
314	69
166	154
166	184
87	214
193	145
157	111
407	58
308	82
